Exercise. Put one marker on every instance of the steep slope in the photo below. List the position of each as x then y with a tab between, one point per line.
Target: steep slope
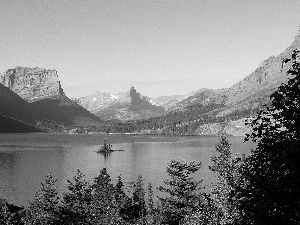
11	125
14	106
16	115
48	103
60	109
123	106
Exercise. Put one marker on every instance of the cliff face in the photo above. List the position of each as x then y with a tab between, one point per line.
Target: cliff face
32	84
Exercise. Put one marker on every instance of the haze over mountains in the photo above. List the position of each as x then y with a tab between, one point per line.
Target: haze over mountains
34	95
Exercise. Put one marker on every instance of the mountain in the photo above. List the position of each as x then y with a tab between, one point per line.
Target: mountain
168	102
211	112
62	110
203	96
40	97
174	102
102	100
123	106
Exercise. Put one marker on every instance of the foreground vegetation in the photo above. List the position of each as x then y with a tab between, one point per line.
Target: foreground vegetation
262	188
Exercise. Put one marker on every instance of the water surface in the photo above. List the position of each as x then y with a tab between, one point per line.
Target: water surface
25	159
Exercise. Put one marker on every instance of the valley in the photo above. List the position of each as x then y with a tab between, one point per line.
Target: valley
34	97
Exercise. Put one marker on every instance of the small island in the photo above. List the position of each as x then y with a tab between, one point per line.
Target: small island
105	148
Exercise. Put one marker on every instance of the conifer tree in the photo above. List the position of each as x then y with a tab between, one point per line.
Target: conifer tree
183	192
76	203
44	208
119	191
4	212
150	199
227	179
104	209
135	207
123	202
138	196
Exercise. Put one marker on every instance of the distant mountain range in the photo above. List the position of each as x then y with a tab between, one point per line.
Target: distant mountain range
32	99
129	105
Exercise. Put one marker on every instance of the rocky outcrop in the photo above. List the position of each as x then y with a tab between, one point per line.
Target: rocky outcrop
32	84
143	103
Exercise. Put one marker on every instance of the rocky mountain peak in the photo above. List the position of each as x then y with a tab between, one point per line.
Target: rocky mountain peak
134	95
32	84
132	89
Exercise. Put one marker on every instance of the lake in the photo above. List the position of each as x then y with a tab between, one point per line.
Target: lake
25	159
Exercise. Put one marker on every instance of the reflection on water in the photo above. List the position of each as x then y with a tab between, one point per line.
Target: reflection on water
105	155
22	169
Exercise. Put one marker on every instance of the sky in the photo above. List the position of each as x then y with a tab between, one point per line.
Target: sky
161	47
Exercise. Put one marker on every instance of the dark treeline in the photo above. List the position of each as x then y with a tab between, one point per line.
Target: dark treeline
261	189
